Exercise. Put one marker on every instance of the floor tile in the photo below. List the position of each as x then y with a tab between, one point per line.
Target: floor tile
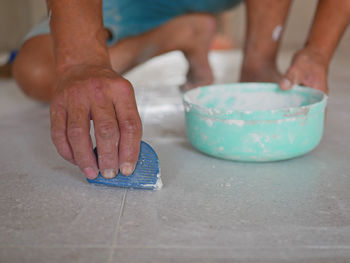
174	255
209	210
45	200
53	255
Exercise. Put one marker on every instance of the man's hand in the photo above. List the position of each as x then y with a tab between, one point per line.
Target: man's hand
98	93
308	68
310	65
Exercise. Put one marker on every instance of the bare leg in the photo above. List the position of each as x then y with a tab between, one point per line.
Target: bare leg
265	24
192	34
34	67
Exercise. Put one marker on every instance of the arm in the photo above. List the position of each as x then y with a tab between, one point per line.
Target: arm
78	33
88	88
310	64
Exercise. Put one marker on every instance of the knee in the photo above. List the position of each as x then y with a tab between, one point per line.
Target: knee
33	74
206	25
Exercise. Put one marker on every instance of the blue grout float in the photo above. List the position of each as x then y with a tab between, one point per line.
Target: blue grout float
145	176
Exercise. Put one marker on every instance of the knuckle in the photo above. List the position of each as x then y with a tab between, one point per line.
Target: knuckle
106	130
82	158
105	157
131	126
75	132
57	135
95	83
124	86
57	109
72	91
122	82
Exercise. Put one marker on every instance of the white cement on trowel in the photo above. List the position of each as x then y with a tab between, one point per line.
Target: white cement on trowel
157	186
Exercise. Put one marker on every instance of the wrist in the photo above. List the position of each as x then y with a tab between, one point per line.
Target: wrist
320	55
81	59
81	68
87	49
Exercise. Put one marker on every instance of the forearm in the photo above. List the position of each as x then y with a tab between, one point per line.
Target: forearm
77	31
330	22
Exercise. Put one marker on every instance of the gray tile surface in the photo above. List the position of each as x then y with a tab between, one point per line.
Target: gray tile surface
57	254
209	210
219	255
45	200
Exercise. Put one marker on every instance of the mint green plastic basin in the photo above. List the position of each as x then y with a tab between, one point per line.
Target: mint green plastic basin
255	122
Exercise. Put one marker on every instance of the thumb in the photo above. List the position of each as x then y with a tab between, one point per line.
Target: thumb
289	79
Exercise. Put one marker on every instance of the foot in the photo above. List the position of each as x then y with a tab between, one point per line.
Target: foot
200	75
192	34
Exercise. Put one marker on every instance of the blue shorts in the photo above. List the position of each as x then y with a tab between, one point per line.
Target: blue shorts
126	18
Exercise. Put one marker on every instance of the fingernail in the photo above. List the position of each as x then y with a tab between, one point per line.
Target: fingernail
90	173
127	168
109	173
286	84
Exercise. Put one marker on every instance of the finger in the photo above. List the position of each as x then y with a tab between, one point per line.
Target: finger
58	118
130	126
316	80
78	132
106	133
291	78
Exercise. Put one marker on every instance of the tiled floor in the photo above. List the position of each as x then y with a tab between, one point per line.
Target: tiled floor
209	210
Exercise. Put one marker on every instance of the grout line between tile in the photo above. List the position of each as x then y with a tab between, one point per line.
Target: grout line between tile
116	231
